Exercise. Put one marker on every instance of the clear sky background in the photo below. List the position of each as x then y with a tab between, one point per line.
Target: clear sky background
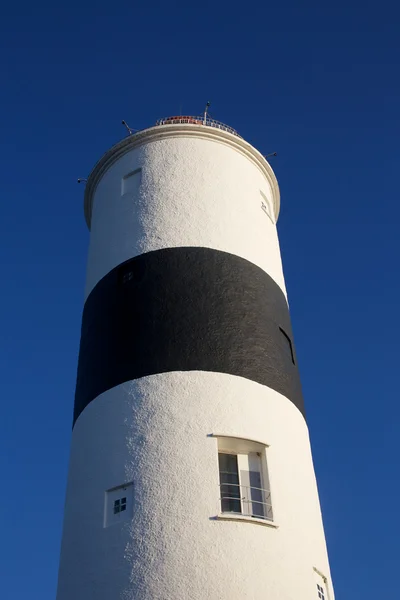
317	82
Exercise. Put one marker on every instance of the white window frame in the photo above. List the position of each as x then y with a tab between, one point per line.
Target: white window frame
321	581
113	496
251	458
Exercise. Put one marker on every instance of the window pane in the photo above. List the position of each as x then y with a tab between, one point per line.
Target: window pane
229	480
256	495
228	463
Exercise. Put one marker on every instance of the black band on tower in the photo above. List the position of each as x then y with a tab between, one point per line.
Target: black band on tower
184	309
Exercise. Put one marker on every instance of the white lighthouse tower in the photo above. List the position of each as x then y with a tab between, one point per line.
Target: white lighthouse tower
191	476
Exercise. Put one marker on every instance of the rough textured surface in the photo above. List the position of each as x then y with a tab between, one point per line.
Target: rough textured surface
193	192
179	131
181	309
155	432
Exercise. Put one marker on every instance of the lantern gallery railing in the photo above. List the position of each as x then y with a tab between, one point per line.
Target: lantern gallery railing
204	120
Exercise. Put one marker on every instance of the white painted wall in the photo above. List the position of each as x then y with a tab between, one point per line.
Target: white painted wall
155	432
193	192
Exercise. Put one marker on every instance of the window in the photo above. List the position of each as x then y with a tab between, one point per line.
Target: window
288	344
243	478
322	584
128	276
131	273
118	506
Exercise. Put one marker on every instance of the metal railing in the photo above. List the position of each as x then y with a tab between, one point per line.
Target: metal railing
246	500
199	120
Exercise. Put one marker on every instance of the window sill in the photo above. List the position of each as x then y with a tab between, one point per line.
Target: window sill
246	519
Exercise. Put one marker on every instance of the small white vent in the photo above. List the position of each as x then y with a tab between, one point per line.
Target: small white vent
131	182
118	505
266	206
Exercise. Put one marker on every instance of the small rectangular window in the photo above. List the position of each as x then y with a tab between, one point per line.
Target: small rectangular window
322	590
118	504
127	277
288	344
131	273
243	477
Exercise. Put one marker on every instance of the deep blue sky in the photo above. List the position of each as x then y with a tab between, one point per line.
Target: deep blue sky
318	83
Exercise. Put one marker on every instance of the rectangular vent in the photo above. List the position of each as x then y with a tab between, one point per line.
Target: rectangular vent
131	183
266	206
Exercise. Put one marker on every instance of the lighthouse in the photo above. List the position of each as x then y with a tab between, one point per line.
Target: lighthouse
191	474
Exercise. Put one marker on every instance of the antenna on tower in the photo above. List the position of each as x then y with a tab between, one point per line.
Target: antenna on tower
205	113
130	131
82	180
